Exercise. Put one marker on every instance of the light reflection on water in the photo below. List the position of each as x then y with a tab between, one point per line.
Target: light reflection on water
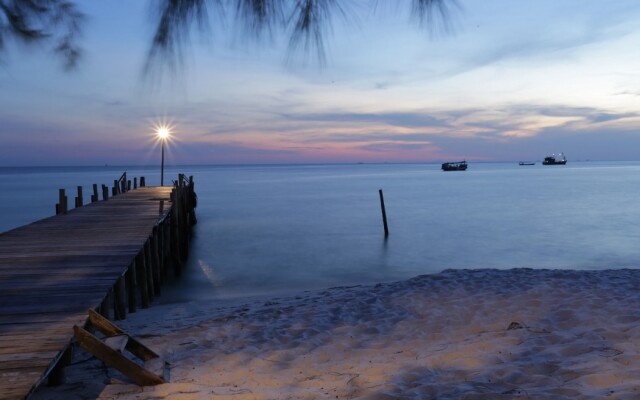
289	228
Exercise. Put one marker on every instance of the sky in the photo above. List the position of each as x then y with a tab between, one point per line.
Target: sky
511	81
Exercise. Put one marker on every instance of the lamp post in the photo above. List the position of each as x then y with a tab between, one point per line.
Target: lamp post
163	134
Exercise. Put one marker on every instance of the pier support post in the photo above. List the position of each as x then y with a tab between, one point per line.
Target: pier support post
122	187
131	278
149	267
180	210
384	214
119	290
79	199
155	261
61	207
142	280
105	192
159	252
94	196
174	235
105	306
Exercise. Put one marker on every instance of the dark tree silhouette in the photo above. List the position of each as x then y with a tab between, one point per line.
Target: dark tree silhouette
306	22
56	23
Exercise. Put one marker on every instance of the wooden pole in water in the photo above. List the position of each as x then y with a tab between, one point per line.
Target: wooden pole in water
384	214
94	197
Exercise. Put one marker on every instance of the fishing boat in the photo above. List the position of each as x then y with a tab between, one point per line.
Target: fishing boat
526	163
552	160
455	166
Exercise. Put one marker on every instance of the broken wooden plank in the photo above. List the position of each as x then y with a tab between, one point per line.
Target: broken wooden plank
116	359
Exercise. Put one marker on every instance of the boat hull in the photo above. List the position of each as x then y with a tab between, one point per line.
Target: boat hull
455	166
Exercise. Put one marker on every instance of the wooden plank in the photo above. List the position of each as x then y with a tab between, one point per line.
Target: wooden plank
108	328
115	359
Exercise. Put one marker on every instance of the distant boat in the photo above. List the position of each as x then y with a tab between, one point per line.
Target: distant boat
552	160
526	163
455	166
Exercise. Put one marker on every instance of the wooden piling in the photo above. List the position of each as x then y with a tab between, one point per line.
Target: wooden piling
163	245
142	280
142	182
131	279
119	291
94	197
105	192
105	306
384	214
135	182
149	269
174	235
79	199
62	202
155	261
179	212
123	182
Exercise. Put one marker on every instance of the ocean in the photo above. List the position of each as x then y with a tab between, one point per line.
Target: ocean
288	228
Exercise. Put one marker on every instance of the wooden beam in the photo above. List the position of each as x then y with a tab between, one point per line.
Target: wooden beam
115	359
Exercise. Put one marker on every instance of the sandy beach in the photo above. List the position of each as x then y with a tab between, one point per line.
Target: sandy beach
459	334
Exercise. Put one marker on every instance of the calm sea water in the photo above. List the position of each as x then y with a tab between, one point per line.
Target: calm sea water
270	229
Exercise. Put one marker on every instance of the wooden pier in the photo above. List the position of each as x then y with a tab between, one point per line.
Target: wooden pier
110	256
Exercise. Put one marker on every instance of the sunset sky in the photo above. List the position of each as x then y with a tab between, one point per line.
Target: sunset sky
516	80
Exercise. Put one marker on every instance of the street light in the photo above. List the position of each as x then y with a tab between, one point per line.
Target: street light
163	135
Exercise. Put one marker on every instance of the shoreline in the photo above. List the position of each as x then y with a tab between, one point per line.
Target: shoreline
477	334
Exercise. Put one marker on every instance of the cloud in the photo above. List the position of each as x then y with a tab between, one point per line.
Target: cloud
358	137
410	119
605	117
393	147
230	153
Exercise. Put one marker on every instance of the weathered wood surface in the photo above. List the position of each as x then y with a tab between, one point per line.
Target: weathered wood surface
55	269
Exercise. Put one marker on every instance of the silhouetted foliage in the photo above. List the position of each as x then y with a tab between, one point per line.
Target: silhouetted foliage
54	22
306	22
